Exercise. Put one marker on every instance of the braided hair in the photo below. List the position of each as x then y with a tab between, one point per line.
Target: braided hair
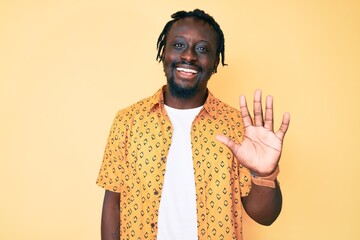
199	14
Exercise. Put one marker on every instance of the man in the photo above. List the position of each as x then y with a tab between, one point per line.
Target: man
182	164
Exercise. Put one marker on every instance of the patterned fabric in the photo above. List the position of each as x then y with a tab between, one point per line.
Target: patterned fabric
134	165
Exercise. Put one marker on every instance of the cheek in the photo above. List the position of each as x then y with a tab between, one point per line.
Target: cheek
210	66
167	68
167	60
166	63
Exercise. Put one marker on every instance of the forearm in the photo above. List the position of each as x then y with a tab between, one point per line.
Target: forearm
110	220
263	204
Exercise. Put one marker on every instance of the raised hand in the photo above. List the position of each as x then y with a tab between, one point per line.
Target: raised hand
261	147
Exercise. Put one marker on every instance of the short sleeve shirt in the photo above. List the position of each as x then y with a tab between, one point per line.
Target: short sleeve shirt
134	165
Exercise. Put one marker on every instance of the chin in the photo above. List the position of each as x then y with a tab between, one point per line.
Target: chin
179	91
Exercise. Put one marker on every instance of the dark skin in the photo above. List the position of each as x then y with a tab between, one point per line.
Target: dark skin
260	152
191	45
110	220
189	60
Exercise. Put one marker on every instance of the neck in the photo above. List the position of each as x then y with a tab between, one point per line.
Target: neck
185	103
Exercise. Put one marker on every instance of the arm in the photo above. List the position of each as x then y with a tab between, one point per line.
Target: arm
260	152
110	220
263	204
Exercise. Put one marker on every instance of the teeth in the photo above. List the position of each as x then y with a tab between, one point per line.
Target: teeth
186	70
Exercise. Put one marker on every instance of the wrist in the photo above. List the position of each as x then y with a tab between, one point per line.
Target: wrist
267	181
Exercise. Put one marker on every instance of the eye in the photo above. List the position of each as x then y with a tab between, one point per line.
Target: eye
202	49
178	45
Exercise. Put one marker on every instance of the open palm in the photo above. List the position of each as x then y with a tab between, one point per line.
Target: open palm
261	147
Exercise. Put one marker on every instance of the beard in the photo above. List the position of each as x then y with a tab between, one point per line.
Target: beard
178	90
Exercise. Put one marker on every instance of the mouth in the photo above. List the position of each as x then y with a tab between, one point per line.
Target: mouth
186	71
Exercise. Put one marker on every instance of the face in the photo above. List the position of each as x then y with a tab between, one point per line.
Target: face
189	57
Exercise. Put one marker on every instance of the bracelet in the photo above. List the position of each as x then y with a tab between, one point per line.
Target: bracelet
268	181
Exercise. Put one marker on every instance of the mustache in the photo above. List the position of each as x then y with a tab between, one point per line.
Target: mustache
183	63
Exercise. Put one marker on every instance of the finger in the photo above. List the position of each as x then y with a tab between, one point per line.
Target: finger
229	143
284	126
269	113
258	115
245	112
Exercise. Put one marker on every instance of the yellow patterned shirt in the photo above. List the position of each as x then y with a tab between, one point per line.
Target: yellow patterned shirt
134	165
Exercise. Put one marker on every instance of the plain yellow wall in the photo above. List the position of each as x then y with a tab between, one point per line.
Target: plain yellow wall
66	67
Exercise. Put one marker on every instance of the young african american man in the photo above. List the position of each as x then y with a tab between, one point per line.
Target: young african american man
182	164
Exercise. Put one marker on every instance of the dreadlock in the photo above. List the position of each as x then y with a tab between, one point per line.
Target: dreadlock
199	14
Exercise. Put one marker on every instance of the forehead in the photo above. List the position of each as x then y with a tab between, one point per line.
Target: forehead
191	27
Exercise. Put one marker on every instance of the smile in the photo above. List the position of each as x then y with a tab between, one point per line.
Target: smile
186	70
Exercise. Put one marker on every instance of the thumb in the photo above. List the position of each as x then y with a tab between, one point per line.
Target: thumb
229	143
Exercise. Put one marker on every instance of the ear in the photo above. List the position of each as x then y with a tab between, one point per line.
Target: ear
217	60
162	54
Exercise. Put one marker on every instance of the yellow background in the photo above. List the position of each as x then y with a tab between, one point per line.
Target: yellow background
66	67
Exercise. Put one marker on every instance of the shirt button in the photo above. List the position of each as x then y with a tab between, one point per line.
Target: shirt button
163	159
156	192
152	225
168	128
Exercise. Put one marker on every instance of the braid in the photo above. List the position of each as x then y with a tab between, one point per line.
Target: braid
199	14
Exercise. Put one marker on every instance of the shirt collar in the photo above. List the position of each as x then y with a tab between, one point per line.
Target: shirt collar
210	107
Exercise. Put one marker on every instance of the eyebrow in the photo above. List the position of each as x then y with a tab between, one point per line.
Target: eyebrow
183	38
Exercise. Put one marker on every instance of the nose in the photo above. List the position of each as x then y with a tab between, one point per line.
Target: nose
189	55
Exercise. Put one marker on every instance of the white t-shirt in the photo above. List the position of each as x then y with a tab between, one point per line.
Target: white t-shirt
177	212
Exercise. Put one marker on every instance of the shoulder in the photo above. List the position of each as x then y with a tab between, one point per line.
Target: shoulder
223	109
141	108
230	117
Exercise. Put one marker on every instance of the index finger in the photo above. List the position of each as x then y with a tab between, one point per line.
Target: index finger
284	126
245	112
